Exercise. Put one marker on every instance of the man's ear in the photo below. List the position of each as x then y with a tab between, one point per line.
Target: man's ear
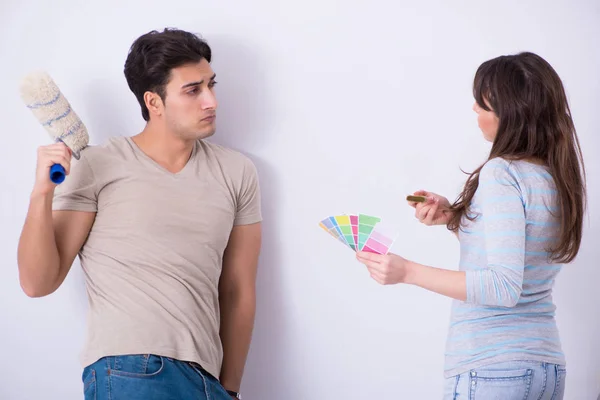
154	103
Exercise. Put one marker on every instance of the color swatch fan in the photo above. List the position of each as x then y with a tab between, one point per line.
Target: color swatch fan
359	232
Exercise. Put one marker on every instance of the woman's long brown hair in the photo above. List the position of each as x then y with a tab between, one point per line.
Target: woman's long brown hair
535	123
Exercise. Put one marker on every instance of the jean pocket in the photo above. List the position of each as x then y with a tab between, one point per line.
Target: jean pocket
136	366
212	386
490	384
561	377
89	383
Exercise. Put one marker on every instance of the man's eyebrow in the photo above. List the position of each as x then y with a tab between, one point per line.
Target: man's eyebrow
197	83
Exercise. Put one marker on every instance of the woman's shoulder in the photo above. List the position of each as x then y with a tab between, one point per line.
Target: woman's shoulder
498	168
514	168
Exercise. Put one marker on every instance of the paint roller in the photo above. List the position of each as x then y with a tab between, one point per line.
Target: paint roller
45	100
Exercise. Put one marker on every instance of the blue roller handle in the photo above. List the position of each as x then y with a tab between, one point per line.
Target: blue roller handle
57	173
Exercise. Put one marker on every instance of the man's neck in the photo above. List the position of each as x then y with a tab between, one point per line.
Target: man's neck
164	148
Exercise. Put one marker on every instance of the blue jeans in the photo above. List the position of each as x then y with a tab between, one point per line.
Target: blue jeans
149	377
514	380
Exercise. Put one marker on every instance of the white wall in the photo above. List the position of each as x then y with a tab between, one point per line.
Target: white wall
344	109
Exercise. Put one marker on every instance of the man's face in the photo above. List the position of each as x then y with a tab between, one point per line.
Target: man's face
190	103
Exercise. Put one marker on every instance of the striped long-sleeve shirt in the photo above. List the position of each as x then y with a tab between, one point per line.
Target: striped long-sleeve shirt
509	312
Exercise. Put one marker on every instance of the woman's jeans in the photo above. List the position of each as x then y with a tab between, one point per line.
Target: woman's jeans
515	380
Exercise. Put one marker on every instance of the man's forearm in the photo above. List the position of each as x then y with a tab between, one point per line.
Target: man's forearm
37	254
237	323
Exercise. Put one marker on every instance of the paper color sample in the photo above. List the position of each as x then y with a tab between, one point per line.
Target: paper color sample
354	224
380	240
360	232
366	224
330	226
343	222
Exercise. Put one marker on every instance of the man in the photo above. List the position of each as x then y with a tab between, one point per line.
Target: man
167	228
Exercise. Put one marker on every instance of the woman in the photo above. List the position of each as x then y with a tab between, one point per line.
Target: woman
518	219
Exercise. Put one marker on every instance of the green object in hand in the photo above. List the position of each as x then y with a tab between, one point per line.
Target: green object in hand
418	199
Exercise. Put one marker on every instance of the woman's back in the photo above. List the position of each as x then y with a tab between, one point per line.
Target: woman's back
509	312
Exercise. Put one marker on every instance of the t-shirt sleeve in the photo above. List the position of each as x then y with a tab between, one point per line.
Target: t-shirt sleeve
78	191
248	210
500	203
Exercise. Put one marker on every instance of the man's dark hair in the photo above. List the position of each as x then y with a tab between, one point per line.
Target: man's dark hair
152	57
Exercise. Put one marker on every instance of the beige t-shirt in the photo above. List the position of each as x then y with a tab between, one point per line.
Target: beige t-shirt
153	258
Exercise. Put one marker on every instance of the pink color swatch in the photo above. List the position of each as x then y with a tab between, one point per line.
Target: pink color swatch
354	224
381	238
372	246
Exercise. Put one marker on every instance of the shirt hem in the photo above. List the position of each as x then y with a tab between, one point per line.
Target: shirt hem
248	220
58	205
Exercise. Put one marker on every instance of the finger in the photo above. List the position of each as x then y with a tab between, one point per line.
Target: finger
415	204
62	160
383	266
374	271
50	155
57	146
67	151
373	267
419	209
421	193
57	156
423	212
368	256
376	275
60	146
428	202
428	219
56	153
380	266
417	212
378	279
